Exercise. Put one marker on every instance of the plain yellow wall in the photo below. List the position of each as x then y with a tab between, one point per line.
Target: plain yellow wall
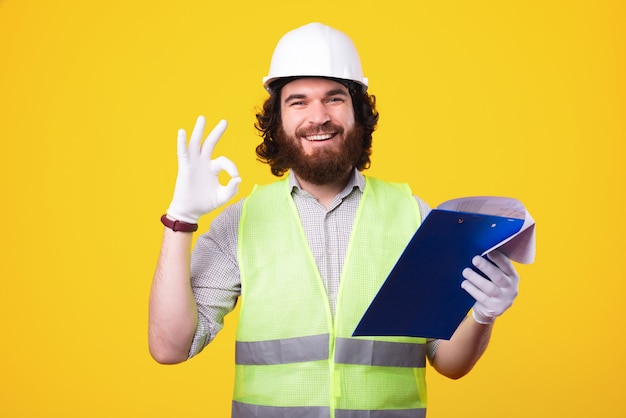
525	99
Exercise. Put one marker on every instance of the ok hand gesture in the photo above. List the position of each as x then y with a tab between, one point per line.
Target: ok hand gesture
198	190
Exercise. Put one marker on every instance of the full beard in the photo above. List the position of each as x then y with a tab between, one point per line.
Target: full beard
324	165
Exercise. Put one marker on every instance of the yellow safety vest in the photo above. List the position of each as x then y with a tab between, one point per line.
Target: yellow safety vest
292	360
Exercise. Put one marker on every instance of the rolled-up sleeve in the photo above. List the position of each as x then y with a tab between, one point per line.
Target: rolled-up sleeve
215	279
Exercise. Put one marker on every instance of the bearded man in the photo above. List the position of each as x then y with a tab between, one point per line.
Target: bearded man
306	254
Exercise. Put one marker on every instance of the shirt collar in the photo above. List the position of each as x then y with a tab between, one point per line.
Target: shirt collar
357	179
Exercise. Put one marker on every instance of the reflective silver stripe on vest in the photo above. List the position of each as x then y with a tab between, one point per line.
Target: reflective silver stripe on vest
244	410
380	353
387	413
288	350
347	351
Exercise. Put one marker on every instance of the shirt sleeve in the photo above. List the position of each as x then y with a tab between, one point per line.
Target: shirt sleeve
424	208
215	279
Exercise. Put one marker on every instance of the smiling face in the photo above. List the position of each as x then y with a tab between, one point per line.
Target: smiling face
317	111
318	134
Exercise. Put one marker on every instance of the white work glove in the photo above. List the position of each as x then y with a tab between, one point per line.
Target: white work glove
198	190
493	296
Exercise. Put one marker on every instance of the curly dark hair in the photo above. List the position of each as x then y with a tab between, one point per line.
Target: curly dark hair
269	122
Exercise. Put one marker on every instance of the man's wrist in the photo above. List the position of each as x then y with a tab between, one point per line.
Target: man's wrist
482	319
178	226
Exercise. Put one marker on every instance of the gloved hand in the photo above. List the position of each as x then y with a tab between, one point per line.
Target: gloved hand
198	190
493	296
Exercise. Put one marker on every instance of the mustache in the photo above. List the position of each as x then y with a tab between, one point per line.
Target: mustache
324	128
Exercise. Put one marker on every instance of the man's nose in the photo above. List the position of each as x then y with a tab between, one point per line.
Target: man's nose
318	113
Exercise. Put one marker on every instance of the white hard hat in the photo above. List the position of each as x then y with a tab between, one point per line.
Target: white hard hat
315	50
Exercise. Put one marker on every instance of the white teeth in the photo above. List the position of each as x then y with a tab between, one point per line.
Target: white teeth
318	137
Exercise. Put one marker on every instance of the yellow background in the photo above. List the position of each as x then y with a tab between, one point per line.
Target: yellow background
525	99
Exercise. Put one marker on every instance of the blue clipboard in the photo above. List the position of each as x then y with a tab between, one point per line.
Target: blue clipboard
422	296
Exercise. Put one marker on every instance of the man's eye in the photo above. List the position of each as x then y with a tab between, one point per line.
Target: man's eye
335	99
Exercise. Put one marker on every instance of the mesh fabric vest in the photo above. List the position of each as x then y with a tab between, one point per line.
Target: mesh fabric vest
292	359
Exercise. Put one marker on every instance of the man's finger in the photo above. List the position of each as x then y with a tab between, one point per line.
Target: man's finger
474	292
486	286
224	164
196	135
491	270
214	136
181	144
227	192
503	262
